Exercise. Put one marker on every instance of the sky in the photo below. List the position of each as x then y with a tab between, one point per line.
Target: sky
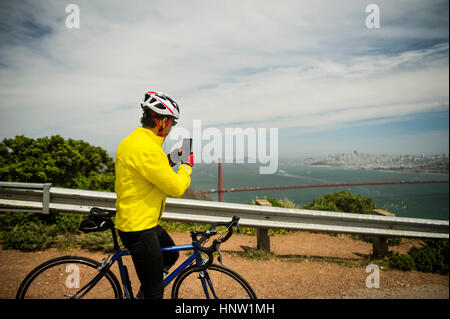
311	69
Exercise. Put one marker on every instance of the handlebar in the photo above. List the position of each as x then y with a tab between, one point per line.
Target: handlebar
215	246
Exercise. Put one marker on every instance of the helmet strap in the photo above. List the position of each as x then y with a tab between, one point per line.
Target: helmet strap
160	129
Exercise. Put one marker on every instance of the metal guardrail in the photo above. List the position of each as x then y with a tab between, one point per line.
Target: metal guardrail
42	198
42	189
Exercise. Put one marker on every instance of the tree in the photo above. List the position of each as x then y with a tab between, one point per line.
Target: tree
65	163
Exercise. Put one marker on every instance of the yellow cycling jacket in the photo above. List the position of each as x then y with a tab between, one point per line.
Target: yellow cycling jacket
143	179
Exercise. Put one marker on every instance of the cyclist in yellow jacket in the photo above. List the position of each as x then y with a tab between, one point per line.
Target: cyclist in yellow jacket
144	178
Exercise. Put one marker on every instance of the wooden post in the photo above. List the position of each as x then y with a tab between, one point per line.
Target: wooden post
379	246
379	243
263	239
262	234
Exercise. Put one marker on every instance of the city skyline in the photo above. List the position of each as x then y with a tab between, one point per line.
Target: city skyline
437	163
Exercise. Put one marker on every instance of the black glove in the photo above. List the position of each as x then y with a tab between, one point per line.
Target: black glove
172	162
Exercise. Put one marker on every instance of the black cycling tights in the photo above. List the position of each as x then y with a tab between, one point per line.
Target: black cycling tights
149	261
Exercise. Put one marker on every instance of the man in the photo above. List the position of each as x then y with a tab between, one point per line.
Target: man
144	178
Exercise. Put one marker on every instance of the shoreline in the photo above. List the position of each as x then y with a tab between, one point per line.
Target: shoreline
395	170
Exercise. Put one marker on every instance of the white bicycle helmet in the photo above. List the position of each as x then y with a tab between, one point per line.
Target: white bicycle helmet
160	103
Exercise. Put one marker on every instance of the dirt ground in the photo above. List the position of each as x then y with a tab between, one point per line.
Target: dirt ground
305	265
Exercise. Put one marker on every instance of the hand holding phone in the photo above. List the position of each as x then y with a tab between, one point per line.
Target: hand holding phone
183	154
190	162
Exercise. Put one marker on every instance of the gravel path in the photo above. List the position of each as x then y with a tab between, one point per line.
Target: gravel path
414	292
305	265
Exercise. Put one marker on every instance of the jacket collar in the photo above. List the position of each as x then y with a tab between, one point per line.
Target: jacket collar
157	139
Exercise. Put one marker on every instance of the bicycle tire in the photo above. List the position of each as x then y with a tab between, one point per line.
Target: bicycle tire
47	280
236	287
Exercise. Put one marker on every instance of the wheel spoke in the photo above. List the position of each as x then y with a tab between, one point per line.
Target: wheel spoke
68	277
222	283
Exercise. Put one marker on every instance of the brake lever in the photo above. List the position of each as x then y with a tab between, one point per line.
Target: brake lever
239	229
219	258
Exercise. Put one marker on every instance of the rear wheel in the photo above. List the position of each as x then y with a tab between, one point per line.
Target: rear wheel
62	277
214	282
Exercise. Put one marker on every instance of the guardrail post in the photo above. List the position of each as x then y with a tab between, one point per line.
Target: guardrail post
46	199
263	239
262	234
379	246
379	243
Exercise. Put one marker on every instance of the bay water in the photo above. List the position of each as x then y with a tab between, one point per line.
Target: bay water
411	200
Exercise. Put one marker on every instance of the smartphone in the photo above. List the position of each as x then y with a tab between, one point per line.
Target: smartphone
187	149
184	156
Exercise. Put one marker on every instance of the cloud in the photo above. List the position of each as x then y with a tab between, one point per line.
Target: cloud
328	93
300	65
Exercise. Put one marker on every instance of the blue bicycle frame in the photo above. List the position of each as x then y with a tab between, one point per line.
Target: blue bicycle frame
195	256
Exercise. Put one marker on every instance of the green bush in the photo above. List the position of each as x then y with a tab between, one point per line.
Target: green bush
342	201
66	222
345	202
431	257
286	203
10	220
63	222
400	261
97	241
28	237
28	231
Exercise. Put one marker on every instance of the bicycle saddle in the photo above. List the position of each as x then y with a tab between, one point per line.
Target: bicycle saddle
99	219
102	212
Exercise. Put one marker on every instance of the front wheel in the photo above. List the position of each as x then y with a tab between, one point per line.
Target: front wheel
63	277
214	282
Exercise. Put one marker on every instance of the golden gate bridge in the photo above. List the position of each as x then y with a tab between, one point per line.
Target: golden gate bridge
220	190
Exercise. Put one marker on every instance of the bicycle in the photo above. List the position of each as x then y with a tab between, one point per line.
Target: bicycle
78	277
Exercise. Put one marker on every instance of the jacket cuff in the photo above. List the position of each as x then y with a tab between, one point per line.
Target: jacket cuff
187	167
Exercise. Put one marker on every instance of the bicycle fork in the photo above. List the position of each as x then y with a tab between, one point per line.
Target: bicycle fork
203	276
206	282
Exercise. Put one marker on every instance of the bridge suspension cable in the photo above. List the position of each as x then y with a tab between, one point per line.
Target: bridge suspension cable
264	188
